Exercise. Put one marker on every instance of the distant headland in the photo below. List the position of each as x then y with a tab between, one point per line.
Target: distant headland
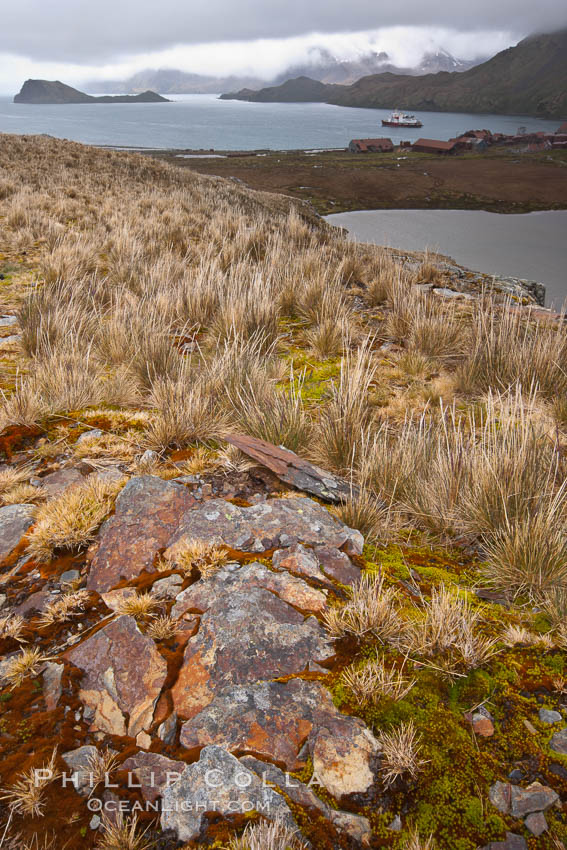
53	91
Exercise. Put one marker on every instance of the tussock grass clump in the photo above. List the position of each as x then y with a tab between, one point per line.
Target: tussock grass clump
27	662
364	511
26	796
198	554
345	419
507	347
400	753
446	627
371	611
162	628
267	836
415	842
275	415
184	413
139	606
122	833
64	608
374	681
12	626
71	520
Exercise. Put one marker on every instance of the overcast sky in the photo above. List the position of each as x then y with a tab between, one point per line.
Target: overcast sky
80	39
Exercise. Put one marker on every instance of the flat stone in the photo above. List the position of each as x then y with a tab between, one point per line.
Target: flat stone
33	603
95	434
535	798
15	520
297	791
271	720
69	576
337	565
200	596
57	482
482	725
167	588
344	754
548	716
512	842
218	782
52	690
299	561
124	674
276	523
246	637
148	511
559	741
114	599
78	762
153	772
356	827
143	740
536	823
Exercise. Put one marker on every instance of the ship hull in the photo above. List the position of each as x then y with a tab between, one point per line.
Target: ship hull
400	124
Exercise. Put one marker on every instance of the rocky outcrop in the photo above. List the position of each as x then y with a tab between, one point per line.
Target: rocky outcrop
272	524
153	773
218	783
123	677
271	720
245	637
15	520
148	510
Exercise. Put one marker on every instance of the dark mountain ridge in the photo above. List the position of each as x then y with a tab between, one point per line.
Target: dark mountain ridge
54	91
528	79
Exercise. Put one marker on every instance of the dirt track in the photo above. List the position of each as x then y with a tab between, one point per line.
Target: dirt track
339	181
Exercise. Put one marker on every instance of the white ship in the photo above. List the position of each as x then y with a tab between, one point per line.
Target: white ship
401	119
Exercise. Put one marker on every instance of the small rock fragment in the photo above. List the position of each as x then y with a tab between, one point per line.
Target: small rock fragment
559	742
548	716
536	823
14	522
52	675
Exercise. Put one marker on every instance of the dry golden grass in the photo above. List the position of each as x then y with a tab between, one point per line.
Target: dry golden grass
267	836
162	628
12	626
371	611
26	796
23	494
400	753
64	608
100	766
28	662
364	511
139	606
123	834
71	520
198	554
374	681
184	413
12	476
415	842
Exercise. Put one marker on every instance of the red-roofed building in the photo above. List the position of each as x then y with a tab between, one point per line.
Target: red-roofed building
434	146
563	128
371	146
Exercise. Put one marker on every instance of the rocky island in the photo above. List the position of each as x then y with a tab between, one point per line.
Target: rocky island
53	91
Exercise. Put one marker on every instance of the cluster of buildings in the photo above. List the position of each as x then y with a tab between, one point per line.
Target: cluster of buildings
472	140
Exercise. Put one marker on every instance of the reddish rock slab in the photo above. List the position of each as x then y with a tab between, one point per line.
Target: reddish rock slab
124	674
153	772
293	469
200	596
244	637
337	565
14	522
57	482
271	720
148	510
273	524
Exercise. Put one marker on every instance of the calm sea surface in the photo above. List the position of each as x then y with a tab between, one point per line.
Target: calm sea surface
531	246
204	121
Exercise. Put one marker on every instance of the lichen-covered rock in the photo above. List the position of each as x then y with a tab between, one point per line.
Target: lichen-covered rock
59	481
299	560
153	772
15	520
148	511
219	783
245	637
123	676
200	596
52	690
272	720
559	742
519	802
79	762
536	823
511	842
337	565
276	523
345	756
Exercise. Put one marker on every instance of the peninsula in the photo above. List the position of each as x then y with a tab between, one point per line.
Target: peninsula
53	91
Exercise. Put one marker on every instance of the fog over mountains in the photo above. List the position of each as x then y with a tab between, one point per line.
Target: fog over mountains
324	67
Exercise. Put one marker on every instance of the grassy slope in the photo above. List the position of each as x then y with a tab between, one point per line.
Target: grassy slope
120	246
